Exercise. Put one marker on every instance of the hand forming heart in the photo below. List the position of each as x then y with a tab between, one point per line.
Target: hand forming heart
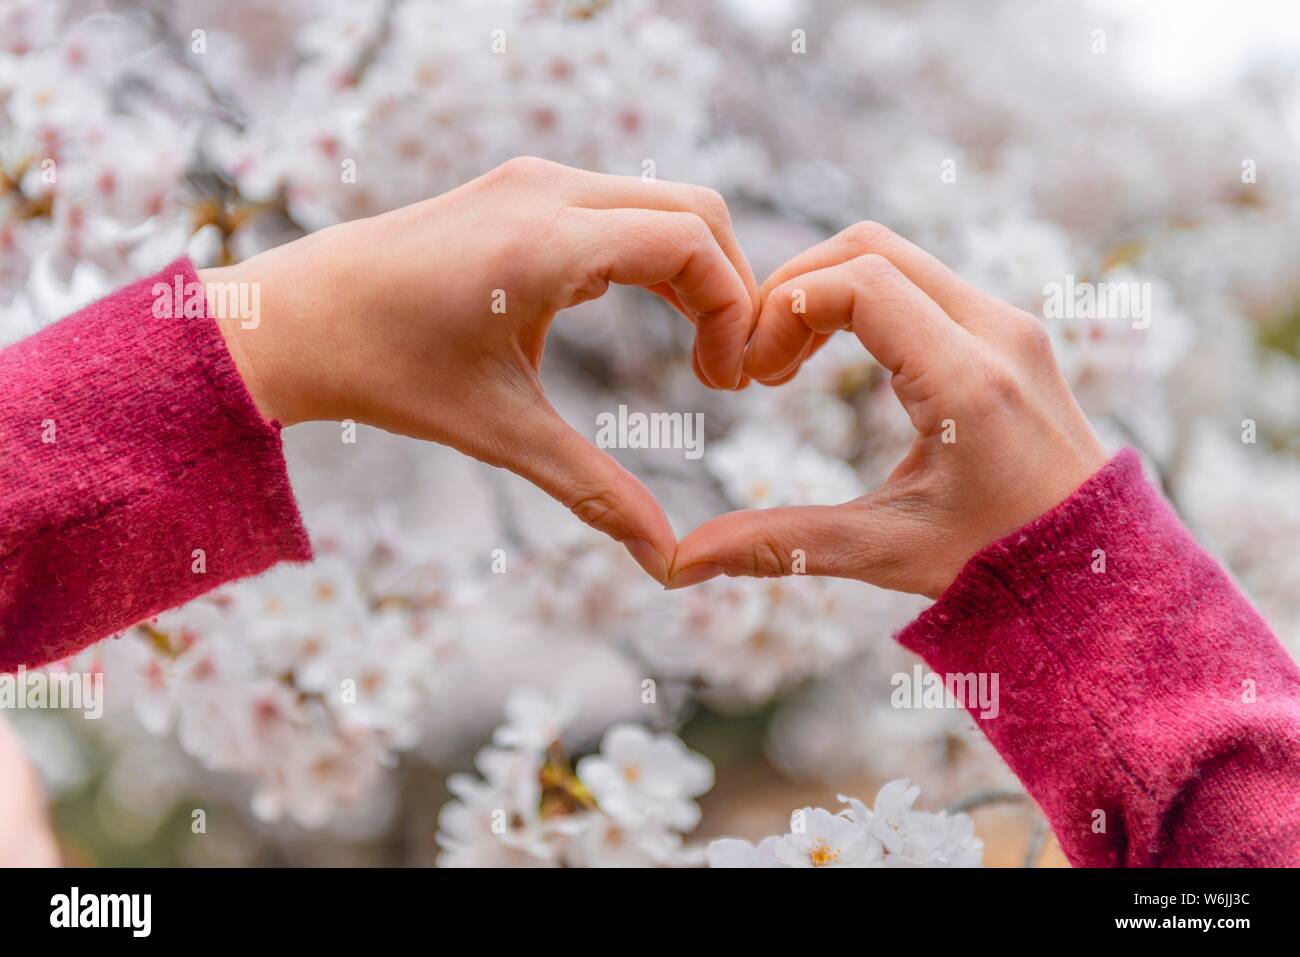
431	321
1000	438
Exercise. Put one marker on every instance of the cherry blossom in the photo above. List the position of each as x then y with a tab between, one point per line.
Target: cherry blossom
891	834
639	777
627	806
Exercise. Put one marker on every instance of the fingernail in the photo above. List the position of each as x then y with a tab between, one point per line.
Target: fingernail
694	575
648	557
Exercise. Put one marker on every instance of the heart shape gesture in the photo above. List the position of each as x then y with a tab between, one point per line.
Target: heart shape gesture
431	321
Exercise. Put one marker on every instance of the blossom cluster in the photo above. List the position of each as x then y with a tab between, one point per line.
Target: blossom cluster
627	805
890	834
630	803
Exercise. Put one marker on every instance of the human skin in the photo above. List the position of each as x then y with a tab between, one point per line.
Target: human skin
390	321
967	368
26	839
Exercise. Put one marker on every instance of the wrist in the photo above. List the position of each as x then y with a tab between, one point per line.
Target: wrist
255	318
1060	471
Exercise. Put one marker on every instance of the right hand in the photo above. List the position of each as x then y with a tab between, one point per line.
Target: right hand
431	320
1000	438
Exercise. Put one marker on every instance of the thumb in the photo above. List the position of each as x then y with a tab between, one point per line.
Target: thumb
843	541
561	462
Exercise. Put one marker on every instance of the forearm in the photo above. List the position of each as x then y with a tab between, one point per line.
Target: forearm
136	472
1142	701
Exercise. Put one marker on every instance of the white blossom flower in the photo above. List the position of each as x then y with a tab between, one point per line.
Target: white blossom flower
526	809
497	821
892	834
913	838
822	839
535	721
605	842
641	777
732	852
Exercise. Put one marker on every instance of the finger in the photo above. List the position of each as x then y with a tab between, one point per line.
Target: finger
783	334
782	379
819	340
605	191
950	291
552	455
643	247
814	342
895	320
669	295
838	540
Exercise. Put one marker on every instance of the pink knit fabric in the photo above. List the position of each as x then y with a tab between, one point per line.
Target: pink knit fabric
1151	692
157	451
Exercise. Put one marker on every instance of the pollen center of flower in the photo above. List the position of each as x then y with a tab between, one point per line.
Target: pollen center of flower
632	772
823	854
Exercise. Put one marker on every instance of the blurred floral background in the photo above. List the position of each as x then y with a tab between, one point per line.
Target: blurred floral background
501	628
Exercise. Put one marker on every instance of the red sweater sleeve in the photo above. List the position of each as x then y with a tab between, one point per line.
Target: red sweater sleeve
128	443
1147	707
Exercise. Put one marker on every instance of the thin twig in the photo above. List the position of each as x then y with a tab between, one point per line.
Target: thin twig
173	44
1162	471
764	204
1037	840
985	798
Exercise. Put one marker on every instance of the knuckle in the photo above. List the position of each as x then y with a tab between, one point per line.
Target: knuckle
523	169
767	559
595	507
581	279
711	205
785	294
996	386
685	229
584	255
866	235
875	269
1029	335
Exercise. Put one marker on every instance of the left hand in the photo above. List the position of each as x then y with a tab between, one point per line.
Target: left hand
431	320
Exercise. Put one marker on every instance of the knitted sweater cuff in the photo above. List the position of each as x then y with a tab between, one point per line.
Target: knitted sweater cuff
138	471
1137	691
